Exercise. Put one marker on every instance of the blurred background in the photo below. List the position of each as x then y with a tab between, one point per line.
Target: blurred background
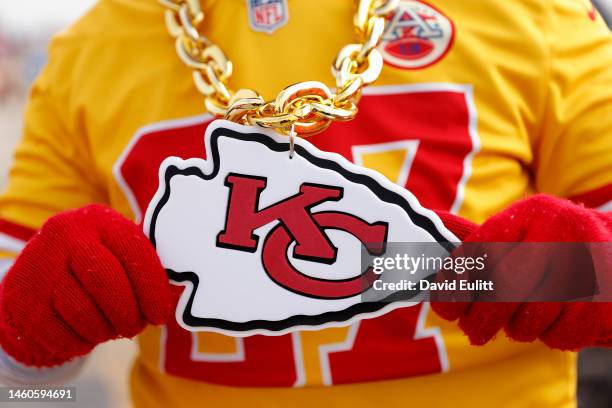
25	29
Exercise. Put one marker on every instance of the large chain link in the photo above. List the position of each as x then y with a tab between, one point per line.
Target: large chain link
306	107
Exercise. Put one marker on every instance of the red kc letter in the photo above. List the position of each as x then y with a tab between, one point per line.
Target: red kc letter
244	216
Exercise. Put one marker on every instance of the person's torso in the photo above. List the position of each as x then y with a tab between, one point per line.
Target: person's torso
450	119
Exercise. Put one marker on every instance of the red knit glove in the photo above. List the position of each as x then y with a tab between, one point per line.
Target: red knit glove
561	325
88	276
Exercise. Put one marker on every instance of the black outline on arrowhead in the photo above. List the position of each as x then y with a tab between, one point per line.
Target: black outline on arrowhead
381	192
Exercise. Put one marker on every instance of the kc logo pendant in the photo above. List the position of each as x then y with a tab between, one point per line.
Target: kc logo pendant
267	244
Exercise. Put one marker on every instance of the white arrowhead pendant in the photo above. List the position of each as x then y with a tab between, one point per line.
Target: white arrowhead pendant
268	244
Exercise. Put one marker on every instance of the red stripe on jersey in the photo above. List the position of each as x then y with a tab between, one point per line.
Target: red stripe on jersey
16	231
595	198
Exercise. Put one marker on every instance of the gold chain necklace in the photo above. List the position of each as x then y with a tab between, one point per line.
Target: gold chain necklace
305	108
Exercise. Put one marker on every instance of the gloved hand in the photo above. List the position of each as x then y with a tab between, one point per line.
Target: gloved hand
560	325
88	276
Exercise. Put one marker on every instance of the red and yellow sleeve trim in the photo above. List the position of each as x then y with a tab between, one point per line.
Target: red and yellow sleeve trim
600	198
13	238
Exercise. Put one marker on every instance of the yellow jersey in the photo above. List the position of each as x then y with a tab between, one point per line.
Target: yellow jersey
479	103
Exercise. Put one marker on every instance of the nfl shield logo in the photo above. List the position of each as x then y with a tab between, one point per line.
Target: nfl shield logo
267	15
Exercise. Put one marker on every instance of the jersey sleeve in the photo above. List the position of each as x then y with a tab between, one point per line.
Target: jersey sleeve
53	168
52	171
573	151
